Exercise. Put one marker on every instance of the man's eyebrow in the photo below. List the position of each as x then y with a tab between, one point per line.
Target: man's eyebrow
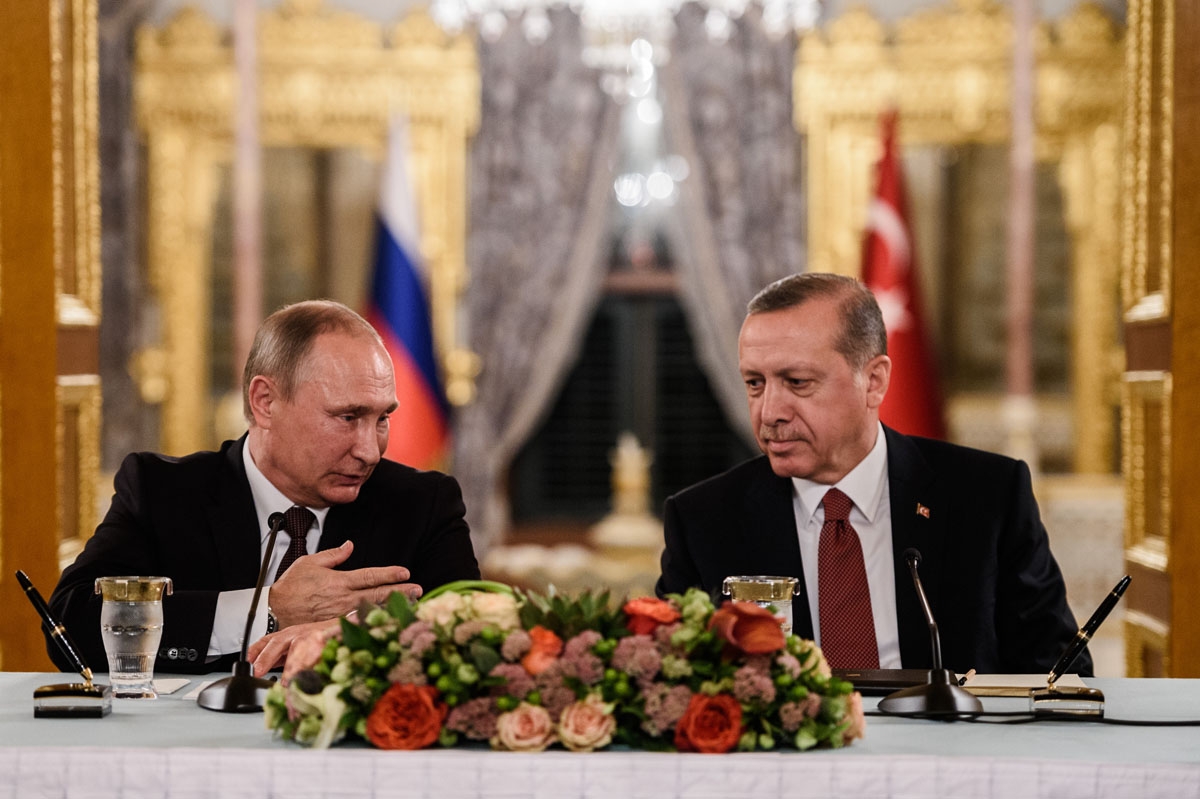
351	410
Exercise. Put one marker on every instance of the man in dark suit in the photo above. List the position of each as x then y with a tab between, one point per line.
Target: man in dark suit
318	387
813	355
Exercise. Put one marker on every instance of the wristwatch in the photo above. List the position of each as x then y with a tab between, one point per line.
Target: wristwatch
272	622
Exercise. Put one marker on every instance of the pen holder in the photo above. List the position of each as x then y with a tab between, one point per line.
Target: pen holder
76	700
1068	699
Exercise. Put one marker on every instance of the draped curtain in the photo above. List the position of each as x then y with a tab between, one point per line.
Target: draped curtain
541	177
728	111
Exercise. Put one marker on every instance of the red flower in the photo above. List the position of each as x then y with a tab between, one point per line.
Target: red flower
750	628
407	716
545	650
646	613
711	724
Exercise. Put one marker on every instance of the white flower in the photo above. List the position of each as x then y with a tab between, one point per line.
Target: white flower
497	609
442	610
326	706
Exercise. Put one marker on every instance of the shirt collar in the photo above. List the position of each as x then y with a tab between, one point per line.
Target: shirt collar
267	498
864	483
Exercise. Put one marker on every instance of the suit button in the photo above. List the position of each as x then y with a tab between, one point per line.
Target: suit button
172	654
191	655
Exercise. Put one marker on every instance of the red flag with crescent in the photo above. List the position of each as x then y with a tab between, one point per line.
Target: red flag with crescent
913	404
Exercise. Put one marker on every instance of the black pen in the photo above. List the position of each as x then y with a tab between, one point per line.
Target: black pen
1087	631
57	631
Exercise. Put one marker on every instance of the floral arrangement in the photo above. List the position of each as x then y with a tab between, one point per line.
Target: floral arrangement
479	661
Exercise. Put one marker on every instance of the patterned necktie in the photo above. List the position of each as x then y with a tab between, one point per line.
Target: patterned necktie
296	522
847	625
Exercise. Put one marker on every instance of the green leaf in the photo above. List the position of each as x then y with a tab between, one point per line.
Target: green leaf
485	657
400	608
488	586
354	636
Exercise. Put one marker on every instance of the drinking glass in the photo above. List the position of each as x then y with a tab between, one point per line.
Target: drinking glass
766	591
131	619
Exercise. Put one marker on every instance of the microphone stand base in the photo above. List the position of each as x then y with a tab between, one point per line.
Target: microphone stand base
239	693
941	697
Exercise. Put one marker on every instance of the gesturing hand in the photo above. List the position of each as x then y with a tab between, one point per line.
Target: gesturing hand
312	590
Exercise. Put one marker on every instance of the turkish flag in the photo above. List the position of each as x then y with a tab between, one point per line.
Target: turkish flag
913	404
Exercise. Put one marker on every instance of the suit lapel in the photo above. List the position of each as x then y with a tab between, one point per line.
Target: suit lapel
233	522
920	510
340	523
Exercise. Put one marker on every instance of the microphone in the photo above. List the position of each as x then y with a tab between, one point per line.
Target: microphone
941	695
242	692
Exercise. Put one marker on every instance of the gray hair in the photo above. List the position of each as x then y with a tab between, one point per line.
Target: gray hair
863	335
284	340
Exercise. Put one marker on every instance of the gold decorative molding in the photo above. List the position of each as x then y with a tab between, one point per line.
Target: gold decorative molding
75	112
77	436
1146	641
947	71
327	78
1146	180
1146	433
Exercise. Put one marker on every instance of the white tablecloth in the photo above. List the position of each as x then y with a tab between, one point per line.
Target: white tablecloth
170	747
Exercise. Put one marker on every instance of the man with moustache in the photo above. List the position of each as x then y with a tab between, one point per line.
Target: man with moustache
813	356
318	387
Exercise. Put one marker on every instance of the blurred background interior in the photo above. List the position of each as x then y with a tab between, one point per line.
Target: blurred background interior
600	187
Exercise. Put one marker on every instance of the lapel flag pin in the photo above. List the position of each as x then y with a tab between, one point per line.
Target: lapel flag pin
922	510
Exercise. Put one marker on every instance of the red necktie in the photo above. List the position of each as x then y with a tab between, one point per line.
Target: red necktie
296	522
847	625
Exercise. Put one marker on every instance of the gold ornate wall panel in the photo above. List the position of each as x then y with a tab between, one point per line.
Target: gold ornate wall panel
1161	301
1147	462
76	161
1146	174
948	73
326	79
49	300
1146	653
75	113
77	434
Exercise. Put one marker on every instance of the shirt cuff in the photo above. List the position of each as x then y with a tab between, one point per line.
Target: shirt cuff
230	621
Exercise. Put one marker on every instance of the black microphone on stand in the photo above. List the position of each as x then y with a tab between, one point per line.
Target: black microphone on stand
941	695
242	692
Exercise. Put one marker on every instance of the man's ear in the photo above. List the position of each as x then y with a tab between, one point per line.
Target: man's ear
263	396
878	372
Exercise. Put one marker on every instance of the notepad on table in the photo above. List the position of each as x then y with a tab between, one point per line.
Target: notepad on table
1016	684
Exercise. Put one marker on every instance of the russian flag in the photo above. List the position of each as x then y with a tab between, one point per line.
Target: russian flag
399	310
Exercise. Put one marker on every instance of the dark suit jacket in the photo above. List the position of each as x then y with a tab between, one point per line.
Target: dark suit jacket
996	591
192	519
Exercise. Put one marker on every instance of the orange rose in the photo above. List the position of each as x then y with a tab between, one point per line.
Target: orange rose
646	613
750	628
711	724
545	650
407	716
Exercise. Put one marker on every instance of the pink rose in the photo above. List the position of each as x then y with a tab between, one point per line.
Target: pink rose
587	724
526	729
858	724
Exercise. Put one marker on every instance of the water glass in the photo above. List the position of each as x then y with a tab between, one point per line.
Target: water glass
131	619
766	591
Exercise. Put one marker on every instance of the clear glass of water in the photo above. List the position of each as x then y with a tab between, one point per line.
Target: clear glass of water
131	619
766	591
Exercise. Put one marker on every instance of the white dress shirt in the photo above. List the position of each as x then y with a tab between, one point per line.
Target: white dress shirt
233	606
867	486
